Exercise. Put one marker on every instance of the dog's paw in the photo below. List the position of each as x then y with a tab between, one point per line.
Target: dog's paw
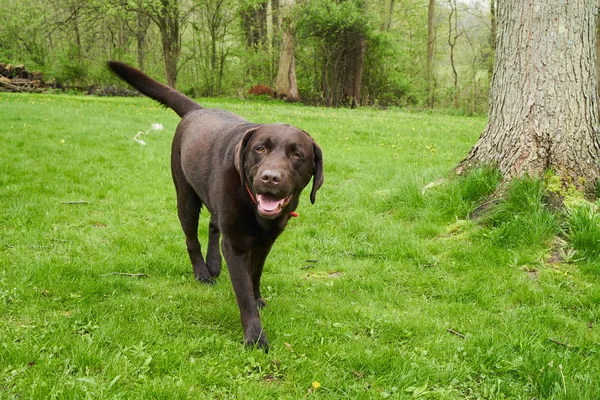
201	274
214	268
261	303
259	343
209	280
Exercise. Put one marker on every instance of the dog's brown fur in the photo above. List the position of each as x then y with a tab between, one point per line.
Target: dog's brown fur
249	176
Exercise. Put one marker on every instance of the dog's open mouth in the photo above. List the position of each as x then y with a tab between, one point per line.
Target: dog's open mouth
269	205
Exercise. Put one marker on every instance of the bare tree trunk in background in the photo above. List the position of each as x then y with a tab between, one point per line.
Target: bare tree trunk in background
276	35
452	43
143	22
166	15
353	71
542	115
492	37
430	49
254	21
287	86
390	18
598	48
168	25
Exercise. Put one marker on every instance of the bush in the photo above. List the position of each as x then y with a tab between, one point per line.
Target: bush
260	90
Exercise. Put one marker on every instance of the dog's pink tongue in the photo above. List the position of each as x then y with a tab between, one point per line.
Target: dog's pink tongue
268	203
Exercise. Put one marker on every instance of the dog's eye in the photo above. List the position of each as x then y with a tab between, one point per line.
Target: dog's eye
260	149
296	155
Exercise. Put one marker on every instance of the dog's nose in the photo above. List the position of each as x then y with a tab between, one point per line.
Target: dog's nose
271	177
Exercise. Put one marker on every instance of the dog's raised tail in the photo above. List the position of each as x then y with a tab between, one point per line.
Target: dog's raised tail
171	98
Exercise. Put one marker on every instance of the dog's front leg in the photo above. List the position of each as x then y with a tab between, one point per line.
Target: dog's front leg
258	255
239	266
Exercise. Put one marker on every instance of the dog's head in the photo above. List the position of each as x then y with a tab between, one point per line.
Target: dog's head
275	163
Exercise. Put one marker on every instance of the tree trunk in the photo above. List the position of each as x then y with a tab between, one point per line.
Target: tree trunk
170	50
543	111
430	48
598	48
287	87
492	38
390	17
353	71
452	43
140	34
168	25
254	21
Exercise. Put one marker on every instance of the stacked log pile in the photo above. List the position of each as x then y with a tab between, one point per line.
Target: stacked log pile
16	78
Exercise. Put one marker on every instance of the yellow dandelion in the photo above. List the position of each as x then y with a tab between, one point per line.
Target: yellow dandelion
316	385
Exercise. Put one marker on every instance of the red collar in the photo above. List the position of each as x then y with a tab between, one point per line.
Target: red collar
292	214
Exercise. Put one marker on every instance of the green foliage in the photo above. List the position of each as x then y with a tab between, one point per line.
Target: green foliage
334	23
333	32
391	75
226	47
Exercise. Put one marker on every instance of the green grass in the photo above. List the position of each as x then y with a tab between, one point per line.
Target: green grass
396	268
583	229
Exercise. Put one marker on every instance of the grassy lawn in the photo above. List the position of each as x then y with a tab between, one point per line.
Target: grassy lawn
376	291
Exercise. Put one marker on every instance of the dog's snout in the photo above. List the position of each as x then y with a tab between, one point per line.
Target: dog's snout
270	177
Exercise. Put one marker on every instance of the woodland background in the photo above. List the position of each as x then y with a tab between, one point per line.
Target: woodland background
226	48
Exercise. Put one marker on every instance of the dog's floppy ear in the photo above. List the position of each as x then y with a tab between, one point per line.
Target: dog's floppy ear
240	150
317	173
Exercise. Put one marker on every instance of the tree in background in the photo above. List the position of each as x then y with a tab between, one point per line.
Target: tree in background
286	86
167	16
254	23
430	48
492	37
256	58
211	23
339	33
141	31
347	52
543	112
453	35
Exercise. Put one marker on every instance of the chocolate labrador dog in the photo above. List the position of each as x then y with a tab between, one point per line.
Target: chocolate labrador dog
249	176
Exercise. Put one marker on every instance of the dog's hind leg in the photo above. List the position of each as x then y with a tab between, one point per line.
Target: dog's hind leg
188	209
213	253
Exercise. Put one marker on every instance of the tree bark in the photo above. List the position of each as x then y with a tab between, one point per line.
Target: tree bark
492	37
452	43
143	22
390	17
430	48
287	86
543	112
168	25
254	21
598	48
353	71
